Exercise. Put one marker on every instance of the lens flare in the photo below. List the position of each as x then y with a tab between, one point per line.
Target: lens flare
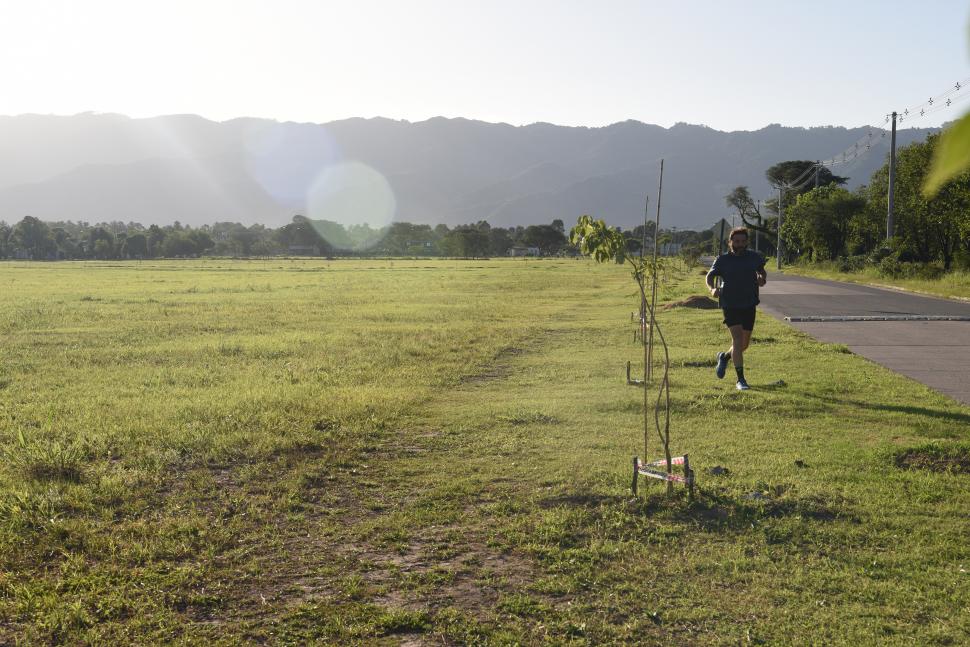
351	205
285	159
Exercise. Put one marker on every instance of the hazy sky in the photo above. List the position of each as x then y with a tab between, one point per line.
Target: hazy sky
736	65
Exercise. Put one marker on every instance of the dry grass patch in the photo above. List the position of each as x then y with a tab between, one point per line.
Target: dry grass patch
935	458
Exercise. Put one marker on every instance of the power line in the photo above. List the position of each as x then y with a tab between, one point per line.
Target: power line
805	173
942	98
956	93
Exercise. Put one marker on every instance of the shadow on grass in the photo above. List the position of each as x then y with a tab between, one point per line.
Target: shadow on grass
951	416
712	511
783	519
699	363
577	500
575	520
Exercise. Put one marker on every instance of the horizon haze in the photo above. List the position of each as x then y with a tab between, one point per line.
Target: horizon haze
102	168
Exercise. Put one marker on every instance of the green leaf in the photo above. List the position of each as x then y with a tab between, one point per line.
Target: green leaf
952	156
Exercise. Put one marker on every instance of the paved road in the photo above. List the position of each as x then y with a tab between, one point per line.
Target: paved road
904	332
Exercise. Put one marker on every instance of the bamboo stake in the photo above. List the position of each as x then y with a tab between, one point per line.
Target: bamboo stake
647	343
665	383
656	236
649	366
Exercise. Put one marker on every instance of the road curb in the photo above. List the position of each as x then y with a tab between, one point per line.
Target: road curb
835	318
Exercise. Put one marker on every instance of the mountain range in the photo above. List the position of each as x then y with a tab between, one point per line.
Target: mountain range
106	167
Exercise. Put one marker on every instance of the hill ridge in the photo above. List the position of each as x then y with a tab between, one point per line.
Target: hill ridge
441	170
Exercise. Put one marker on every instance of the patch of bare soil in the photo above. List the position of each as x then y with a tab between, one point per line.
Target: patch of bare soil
313	543
432	572
497	370
695	301
953	460
500	366
285	562
574	500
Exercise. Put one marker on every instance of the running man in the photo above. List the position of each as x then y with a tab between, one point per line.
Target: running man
742	272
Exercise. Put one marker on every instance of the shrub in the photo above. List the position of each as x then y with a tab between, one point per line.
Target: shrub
851	263
890	267
907	255
961	260
894	268
878	255
928	271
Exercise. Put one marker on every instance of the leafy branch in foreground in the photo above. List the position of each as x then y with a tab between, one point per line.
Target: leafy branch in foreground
951	158
602	243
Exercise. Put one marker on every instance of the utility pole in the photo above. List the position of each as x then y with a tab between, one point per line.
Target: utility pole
781	211
892	181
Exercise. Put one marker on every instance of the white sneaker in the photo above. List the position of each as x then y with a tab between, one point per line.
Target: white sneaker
742	385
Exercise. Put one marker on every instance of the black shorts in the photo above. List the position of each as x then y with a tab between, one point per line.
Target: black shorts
743	316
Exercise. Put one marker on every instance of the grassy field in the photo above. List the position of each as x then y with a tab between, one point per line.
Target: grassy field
955	284
438	452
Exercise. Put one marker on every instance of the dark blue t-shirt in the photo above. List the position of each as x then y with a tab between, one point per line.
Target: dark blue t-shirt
739	273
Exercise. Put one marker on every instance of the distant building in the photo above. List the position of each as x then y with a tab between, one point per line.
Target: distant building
719	228
419	247
522	250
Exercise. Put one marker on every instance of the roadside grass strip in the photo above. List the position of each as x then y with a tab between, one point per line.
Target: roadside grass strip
954	284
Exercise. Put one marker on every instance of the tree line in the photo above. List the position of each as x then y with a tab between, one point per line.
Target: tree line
829	223
33	239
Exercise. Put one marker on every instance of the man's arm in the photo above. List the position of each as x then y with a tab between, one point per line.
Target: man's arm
711	276
762	276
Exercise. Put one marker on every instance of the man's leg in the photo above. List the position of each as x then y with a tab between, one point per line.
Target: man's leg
722	358
738	345
741	338
745	339
747	327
